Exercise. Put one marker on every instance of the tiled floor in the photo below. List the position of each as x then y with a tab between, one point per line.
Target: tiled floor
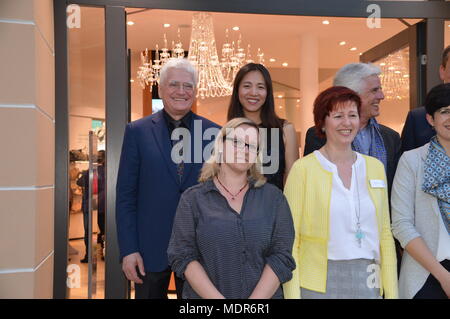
82	291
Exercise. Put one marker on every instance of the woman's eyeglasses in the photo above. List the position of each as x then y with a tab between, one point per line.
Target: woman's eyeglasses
239	144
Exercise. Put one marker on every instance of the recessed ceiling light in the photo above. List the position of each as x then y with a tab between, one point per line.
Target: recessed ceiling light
391	68
398	72
342	43
406	76
130	23
236	28
298	101
353	49
280	107
272	60
166	25
285	64
382	64
360	53
131	80
280	96
325	22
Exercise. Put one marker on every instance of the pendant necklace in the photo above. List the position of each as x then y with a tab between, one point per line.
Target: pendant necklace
359	233
233	196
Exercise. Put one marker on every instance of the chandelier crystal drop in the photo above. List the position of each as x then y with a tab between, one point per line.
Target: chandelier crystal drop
148	72
395	75
203	55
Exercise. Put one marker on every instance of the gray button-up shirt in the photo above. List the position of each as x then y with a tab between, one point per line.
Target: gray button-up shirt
233	248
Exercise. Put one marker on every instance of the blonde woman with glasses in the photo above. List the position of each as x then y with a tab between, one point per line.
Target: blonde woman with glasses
233	233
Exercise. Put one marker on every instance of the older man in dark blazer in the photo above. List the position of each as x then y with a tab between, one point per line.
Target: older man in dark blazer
417	131
373	138
154	171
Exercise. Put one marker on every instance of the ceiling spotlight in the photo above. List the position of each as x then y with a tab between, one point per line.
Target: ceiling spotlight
325	22
298	101
131	80
353	49
272	60
280	96
382	64
285	64
342	43
130	23
166	25
236	28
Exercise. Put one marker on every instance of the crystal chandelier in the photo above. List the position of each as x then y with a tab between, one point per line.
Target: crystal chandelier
148	72
215	77
203	55
394	75
234	57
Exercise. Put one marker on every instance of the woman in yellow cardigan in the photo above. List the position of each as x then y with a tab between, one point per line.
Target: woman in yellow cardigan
343	244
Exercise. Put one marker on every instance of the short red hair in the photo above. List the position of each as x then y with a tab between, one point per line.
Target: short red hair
327	102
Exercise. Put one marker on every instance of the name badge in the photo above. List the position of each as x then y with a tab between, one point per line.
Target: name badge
377	183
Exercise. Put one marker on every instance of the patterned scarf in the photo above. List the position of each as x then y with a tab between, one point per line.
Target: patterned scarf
377	148
436	179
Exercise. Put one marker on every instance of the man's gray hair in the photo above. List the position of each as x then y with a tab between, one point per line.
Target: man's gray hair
353	74
178	63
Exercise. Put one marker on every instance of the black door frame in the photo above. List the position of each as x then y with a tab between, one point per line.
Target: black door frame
117	115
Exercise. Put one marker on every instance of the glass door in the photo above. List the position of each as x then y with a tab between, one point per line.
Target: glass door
87	125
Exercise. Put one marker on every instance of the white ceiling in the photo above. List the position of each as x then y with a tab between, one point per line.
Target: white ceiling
278	36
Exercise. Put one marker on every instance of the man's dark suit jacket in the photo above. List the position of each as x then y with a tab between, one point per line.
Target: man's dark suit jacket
148	187
417	131
391	141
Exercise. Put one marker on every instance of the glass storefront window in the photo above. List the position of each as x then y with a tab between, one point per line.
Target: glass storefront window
395	83
86	50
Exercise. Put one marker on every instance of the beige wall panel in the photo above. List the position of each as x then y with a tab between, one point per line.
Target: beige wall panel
27	149
26	228
16	9
17	229
43	280
43	18
17	62
44	77
27	66
27	285
44	221
45	150
17	285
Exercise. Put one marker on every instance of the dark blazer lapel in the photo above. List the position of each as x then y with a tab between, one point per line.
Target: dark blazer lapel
161	134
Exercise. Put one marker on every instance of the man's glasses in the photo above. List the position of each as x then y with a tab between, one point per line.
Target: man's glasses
186	86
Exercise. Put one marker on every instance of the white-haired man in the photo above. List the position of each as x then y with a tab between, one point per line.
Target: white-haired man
150	182
373	138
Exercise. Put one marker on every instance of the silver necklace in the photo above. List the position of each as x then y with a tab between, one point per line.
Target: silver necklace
359	234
